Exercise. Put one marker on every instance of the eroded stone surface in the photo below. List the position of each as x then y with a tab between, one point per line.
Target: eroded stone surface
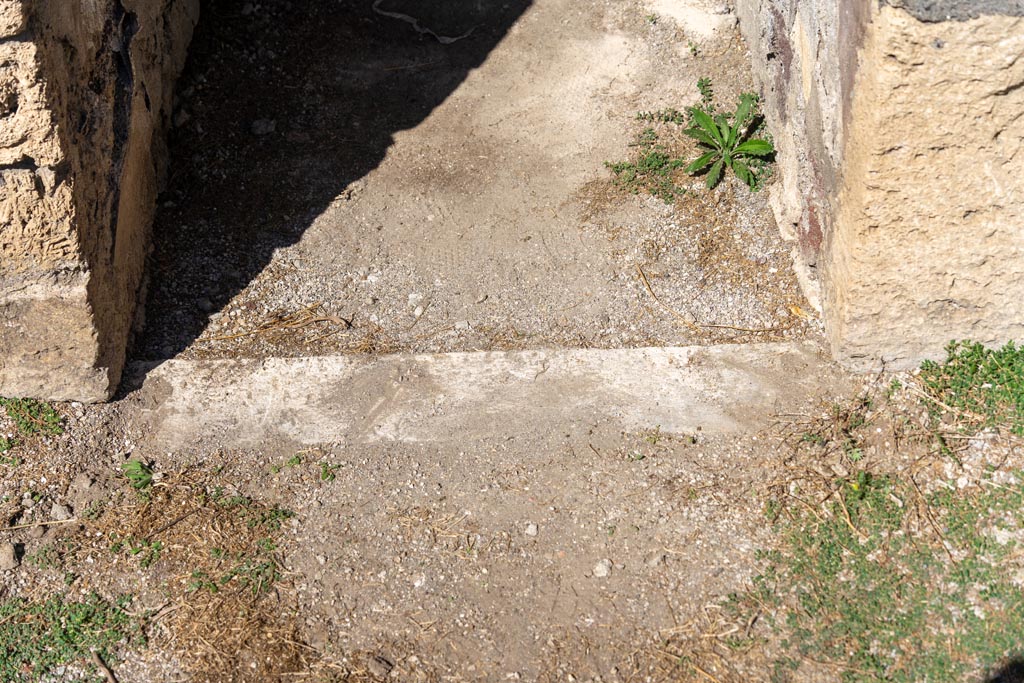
929	237
899	150
85	97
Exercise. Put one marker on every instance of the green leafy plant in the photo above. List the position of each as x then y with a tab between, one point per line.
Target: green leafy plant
37	638
93	511
256	572
293	461
327	471
653	436
663	116
707	95
138	474
7	445
728	141
50	556
32	417
269	518
146	551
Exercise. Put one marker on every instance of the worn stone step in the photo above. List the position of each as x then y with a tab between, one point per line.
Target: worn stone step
452	396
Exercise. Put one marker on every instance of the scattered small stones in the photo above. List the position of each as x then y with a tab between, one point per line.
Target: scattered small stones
531	529
8	557
602	569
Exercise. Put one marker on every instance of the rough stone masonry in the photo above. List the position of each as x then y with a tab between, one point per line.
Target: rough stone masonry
900	128
86	91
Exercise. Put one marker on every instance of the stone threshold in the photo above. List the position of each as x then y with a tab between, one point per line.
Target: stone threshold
463	396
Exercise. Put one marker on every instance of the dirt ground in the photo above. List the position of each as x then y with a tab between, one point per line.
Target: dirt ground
342	183
349	179
571	553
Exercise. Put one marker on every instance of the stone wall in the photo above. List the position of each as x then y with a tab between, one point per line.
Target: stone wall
900	133
86	93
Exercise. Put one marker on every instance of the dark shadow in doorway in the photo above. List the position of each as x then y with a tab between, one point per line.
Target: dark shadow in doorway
1012	672
284	105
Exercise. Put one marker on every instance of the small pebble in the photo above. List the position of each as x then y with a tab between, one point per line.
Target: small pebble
480	299
531	529
418	312
462	325
602	569
8	557
654	559
59	512
379	666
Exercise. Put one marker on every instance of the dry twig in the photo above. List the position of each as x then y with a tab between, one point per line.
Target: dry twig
107	673
35	524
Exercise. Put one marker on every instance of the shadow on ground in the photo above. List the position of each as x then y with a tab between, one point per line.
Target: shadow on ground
1013	672
283	106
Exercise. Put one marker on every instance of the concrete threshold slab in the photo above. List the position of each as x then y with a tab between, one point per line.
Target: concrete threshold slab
462	396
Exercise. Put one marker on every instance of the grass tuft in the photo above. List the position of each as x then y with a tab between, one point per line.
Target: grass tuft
977	387
873	591
892	573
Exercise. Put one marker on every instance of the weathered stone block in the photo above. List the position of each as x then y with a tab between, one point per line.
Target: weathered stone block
13	18
86	94
900	150
928	241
